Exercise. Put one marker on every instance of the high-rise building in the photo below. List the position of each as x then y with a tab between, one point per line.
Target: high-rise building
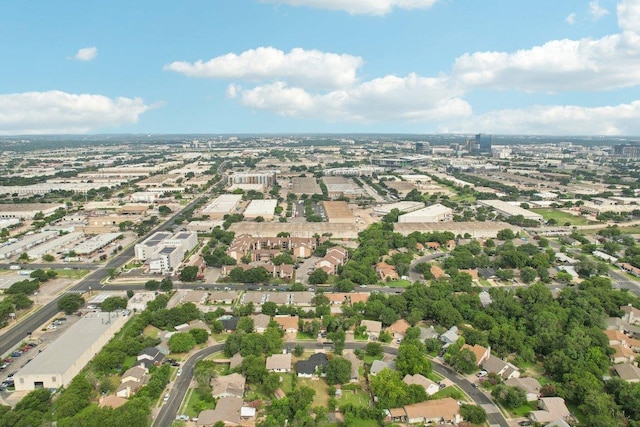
483	142
630	151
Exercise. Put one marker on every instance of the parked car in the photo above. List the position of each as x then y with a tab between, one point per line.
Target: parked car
482	373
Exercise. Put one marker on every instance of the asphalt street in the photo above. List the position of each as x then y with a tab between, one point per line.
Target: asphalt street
169	410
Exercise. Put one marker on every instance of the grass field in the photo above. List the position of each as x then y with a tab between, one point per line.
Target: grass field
451	391
562	217
397	284
369	359
624	230
71	274
358	398
195	405
321	388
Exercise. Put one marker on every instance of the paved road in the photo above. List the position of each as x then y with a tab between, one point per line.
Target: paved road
416	277
48	265
169	410
16	334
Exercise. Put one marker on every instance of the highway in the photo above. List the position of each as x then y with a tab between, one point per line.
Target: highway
169	410
19	332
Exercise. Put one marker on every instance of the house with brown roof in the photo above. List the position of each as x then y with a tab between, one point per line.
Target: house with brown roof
334	258
429	386
398	329
529	384
132	380
227	410
437	272
339	298
551	409
373	328
288	323
434	246
622	354
430	411
481	353
631	314
506	370
627	372
386	272
228	385
635	271
355	365
279	363
260	322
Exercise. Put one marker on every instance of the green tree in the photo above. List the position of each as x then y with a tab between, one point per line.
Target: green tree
474	414
528	274
48	258
338	371
269	308
189	273
411	360
200	335
318	276
506	234
70	303
298	350
166	285
114	303
181	342
373	349
152	285
164	210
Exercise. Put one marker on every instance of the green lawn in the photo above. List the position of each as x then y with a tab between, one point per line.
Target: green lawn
369	359
303	336
357	398
434	376
128	362
451	391
397	284
623	229
287	383
562	217
521	411
321	388
195	405
71	274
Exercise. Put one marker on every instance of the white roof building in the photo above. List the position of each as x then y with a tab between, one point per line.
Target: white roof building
508	210
401	206
433	213
222	205
65	357
95	243
263	208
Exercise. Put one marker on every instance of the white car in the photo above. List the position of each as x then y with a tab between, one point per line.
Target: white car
179	372
482	374
166	397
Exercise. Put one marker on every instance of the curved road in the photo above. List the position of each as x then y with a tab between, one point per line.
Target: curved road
169	410
19	332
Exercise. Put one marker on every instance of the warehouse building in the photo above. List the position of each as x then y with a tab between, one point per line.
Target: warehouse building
507	209
26	243
300	186
53	245
96	243
406	207
65	357
263	208
28	210
339	186
433	213
338	212
475	229
222	205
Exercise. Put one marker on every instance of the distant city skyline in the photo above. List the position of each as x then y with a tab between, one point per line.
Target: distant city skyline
321	66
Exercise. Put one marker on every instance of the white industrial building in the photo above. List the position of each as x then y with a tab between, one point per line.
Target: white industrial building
165	260
222	205
65	357
507	209
28	210
263	208
54	244
382	210
4	223
144	249
96	243
143	196
26	243
433	213
186	239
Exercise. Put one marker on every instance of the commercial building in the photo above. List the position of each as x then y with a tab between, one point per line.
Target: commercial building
53	245
267	178
150	245
27	242
300	186
433	213
96	243
28	210
383	210
65	357
164	252
475	229
338	212
339	186
223	205
483	142
165	260
263	208
507	209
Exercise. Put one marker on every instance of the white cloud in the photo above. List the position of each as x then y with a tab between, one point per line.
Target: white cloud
623	119
628	12
60	112
310	68
596	11
360	7
571	19
412	98
86	54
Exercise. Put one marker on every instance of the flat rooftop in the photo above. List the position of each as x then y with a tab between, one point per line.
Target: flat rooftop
223	204
261	207
65	351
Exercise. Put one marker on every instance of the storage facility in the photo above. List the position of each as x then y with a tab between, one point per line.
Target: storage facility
433	213
507	209
382	210
338	212
28	210
65	357
302	186
263	208
222	205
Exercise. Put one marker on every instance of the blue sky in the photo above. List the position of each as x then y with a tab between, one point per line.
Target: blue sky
269	66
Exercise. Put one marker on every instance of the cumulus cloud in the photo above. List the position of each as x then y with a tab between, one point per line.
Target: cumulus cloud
628	12
309	68
596	11
360	7
86	54
60	112
570	19
411	98
623	119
